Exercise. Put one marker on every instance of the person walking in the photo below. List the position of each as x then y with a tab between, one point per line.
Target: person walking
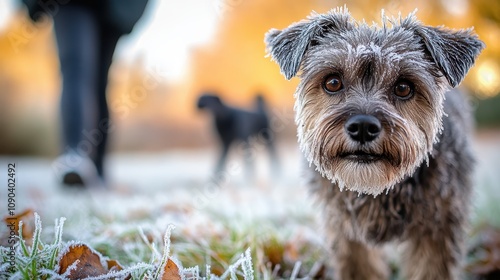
87	32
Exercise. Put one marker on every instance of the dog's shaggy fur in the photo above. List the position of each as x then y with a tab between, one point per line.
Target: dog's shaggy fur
386	141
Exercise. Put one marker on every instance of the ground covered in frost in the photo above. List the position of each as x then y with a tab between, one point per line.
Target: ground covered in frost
215	229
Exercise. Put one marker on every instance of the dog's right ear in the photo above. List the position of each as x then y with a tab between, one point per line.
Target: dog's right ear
288	46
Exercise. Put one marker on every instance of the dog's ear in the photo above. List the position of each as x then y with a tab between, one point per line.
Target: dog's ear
288	46
453	51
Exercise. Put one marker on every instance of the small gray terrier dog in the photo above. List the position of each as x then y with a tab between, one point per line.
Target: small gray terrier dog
386	140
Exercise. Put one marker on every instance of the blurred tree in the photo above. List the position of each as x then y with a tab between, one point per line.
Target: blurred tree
488	9
28	87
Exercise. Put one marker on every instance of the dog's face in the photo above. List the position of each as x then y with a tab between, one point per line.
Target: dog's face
369	105
208	100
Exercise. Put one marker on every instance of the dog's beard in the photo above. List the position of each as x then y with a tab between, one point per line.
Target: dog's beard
371	178
369	168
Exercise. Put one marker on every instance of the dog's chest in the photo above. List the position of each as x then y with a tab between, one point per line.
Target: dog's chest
383	218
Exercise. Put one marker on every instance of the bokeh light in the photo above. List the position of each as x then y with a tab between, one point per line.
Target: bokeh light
487	76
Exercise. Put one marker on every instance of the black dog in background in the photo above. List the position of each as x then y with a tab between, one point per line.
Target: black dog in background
235	125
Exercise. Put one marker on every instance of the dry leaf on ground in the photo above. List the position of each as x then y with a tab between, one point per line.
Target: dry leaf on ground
89	262
171	271
12	223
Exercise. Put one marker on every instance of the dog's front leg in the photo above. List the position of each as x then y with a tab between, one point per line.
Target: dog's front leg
433	257
354	260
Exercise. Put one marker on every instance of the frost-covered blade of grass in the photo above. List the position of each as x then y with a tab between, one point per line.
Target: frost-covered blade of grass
40	260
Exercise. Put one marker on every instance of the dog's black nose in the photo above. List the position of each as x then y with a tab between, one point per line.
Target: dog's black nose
363	128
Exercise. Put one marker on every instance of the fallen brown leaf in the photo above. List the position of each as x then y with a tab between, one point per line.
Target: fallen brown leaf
12	222
89	262
114	265
171	271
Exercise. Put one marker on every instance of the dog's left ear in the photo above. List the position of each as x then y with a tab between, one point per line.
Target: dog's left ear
454	52
288	46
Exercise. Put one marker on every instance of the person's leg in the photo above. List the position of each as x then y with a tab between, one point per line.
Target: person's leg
77	37
107	44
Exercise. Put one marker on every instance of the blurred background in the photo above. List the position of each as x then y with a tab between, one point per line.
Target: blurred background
181	48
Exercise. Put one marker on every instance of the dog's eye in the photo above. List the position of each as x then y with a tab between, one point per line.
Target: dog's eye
403	89
332	84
